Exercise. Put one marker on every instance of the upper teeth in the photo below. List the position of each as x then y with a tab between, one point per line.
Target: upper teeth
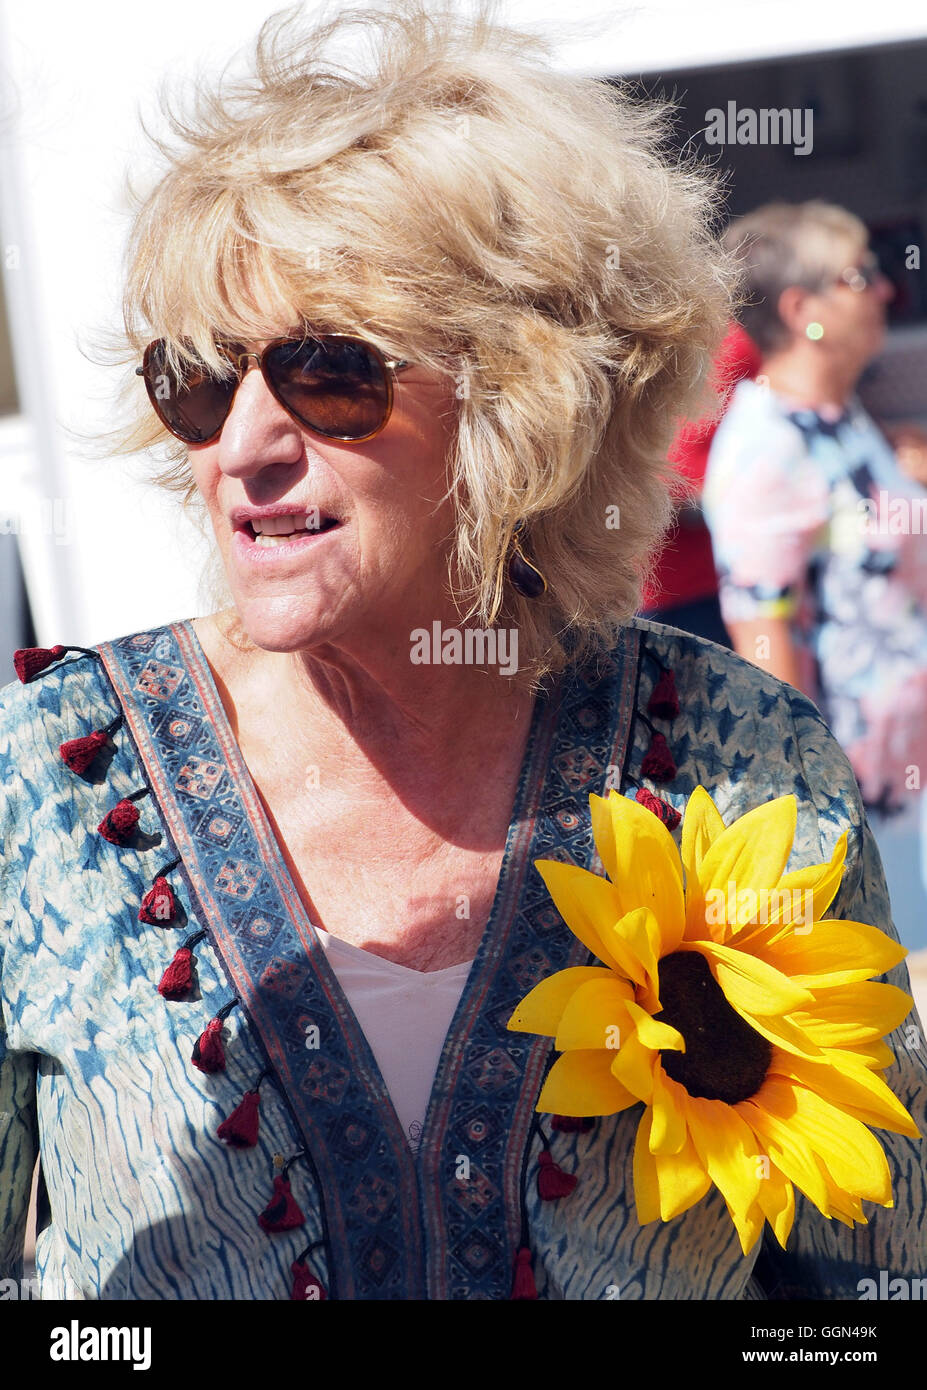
283	525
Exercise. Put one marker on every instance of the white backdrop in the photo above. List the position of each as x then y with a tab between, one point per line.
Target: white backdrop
104	553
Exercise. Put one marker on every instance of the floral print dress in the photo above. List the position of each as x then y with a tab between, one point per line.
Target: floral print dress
812	521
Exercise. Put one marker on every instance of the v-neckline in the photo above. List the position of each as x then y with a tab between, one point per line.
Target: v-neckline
495	925
399	1224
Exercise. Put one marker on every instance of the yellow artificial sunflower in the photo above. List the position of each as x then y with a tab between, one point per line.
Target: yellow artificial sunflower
747	1023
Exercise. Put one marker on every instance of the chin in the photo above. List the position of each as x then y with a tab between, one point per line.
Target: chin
284	624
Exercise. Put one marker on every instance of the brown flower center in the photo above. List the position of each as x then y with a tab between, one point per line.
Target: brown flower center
725	1059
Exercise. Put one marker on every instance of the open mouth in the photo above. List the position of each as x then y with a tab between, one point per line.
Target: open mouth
271	532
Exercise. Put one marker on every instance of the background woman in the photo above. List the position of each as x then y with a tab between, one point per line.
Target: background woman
821	557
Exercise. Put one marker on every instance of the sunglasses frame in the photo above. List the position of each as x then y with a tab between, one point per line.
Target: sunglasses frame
389	366
860	278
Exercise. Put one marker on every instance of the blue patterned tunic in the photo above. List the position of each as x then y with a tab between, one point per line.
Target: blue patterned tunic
139	1197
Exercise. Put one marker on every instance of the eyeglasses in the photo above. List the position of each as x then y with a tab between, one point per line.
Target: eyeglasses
861	277
337	386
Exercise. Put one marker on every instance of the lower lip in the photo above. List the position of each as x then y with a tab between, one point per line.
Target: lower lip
246	549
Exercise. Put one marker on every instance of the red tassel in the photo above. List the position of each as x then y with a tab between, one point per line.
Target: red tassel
660	808
523	1285
177	980
281	1212
658	762
664	702
29	661
305	1284
240	1130
572	1124
118	825
159	906
553	1182
208	1052
79	753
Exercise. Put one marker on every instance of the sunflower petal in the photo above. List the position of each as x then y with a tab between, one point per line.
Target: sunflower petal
854	1157
802	896
636	938
783	1146
542	1008
752	986
847	1082
860	1013
596	1015
683	1180
782	1032
877	1054
645	865
727	1147
654	1033
634	1066
832	953
843	1205
777	1202
668	1134
752	852
581	1083
585	901
646	1186
701	826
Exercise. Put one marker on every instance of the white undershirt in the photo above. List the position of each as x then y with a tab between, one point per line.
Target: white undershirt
405	1014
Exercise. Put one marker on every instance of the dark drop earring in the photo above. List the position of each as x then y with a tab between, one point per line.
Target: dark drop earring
525	576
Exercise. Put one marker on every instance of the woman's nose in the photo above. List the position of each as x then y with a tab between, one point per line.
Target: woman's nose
258	433
885	289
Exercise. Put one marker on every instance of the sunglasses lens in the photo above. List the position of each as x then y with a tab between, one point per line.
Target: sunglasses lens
336	386
192	405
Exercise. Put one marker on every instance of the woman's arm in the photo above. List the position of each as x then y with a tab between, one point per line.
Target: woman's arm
767	506
767	642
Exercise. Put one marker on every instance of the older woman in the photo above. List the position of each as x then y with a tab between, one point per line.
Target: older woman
418	338
817	531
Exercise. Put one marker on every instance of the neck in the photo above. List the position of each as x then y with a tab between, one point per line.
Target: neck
811	376
366	703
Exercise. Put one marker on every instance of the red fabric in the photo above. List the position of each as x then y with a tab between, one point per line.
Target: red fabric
523	1285
660	808
553	1182
281	1212
29	661
240	1130
118	825
572	1124
658	761
305	1284
664	702
685	569
159	906
79	753
208	1052
177	980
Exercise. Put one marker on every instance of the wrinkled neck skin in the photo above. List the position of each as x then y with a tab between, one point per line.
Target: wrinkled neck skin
361	702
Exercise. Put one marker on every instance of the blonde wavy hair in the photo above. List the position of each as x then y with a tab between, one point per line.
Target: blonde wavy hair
465	206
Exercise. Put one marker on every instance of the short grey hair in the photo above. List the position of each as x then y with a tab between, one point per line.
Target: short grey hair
783	244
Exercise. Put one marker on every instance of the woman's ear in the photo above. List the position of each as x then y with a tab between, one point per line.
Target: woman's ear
793	307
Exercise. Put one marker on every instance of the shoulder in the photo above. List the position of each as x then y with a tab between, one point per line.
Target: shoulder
747	737
63	697
754	413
